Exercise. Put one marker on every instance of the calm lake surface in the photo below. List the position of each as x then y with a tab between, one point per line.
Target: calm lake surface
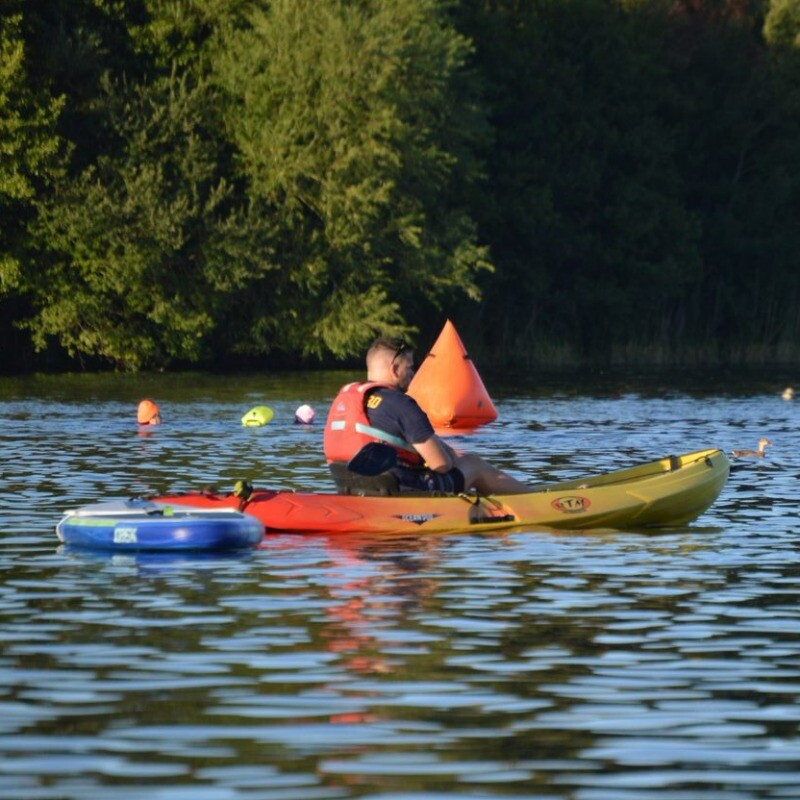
572	666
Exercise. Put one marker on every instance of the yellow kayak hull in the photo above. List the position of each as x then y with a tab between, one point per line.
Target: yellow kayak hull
670	491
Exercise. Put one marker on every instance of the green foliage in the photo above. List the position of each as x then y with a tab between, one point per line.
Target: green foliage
350	131
29	150
138	270
176	32
782	23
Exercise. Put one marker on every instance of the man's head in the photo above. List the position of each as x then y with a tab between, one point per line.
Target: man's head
390	361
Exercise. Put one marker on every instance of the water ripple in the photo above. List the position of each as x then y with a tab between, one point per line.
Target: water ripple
579	666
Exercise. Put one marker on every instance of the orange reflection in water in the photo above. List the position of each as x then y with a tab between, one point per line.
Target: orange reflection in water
376	581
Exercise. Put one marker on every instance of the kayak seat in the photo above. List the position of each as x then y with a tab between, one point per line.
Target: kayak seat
348	482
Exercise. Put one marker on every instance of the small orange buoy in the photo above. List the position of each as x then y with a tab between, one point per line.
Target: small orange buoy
148	413
447	385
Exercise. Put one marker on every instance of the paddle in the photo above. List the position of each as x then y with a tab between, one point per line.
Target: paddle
373	459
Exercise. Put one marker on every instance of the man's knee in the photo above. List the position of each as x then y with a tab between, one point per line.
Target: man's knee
472	468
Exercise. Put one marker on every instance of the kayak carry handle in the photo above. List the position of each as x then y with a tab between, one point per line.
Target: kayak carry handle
485	520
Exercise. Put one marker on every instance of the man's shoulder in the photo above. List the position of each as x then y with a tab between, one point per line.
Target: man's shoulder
394	401
394	397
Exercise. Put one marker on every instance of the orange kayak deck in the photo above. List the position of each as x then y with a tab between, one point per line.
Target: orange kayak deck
670	491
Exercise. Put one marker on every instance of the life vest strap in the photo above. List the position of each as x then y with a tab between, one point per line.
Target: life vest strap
368	430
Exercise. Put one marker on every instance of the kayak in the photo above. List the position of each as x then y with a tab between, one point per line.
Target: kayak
670	491
147	525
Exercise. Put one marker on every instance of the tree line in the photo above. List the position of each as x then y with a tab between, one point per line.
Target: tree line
278	181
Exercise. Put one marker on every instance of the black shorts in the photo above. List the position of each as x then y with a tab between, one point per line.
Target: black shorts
426	480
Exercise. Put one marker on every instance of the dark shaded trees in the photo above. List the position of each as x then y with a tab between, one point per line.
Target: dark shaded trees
740	114
194	180
640	195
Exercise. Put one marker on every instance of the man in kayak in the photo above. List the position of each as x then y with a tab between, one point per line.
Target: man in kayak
379	410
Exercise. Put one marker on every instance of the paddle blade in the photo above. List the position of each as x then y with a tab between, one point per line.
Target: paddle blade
373	459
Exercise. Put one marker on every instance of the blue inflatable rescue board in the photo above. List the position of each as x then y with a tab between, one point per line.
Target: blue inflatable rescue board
147	525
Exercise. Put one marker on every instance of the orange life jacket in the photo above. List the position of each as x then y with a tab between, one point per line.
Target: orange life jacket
348	427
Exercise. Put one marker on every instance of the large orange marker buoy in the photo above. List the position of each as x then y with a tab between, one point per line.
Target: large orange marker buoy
448	388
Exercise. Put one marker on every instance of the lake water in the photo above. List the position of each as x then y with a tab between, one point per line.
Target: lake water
573	666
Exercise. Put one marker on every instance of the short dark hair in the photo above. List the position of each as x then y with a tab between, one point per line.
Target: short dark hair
395	345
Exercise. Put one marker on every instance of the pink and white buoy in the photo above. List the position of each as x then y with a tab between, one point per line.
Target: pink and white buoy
304	415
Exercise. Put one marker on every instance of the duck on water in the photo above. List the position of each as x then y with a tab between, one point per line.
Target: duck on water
763	443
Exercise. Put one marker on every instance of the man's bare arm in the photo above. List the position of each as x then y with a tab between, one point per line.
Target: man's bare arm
438	456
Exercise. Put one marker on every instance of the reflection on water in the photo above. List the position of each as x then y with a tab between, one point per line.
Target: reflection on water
597	666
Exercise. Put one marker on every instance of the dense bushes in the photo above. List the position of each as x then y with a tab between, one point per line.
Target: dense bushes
206	179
